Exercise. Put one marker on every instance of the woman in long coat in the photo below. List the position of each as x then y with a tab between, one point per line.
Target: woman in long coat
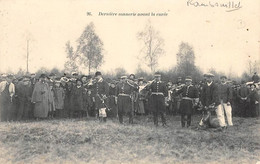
41	97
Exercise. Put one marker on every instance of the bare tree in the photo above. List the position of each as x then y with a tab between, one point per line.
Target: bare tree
152	46
71	64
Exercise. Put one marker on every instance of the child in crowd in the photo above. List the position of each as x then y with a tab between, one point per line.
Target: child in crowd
59	95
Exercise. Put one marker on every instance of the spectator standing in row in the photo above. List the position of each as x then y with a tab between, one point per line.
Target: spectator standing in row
243	103
59	96
24	94
77	98
41	97
253	110
7	91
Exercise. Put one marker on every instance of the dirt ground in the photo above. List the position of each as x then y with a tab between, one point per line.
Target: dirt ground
89	141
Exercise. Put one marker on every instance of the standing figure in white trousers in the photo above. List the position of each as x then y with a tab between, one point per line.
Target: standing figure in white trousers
224	107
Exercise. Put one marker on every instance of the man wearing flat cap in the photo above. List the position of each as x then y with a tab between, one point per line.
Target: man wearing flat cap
223	103
209	92
100	93
159	95
124	90
190	98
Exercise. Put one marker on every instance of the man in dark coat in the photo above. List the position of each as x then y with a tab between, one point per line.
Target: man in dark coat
123	91
77	98
242	94
209	93
24	94
67	87
253	110
190	98
100	92
159	95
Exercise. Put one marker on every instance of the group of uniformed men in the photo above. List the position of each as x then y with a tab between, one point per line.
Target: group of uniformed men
49	96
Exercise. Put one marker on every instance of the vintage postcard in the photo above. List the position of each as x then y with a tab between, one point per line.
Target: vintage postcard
127	81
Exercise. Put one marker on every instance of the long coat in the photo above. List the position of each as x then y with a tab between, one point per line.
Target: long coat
24	93
253	107
42	98
77	98
59	95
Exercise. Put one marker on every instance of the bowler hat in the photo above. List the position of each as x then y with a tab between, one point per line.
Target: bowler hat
98	73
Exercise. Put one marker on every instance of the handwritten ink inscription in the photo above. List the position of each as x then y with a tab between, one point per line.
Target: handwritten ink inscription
229	6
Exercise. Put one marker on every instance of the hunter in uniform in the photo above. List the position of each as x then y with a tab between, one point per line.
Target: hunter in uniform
190	98
124	90
159	94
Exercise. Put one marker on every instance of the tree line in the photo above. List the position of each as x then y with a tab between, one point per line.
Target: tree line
88	53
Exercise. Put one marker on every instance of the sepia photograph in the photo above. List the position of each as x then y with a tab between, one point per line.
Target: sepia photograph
122	82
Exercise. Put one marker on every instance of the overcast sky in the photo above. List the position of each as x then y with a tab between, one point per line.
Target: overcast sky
221	40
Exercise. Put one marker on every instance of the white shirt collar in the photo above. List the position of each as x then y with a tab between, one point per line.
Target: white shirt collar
100	80
209	84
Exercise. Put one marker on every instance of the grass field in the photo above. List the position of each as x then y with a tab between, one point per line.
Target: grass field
88	141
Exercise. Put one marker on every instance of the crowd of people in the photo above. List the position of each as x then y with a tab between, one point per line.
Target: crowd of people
75	96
